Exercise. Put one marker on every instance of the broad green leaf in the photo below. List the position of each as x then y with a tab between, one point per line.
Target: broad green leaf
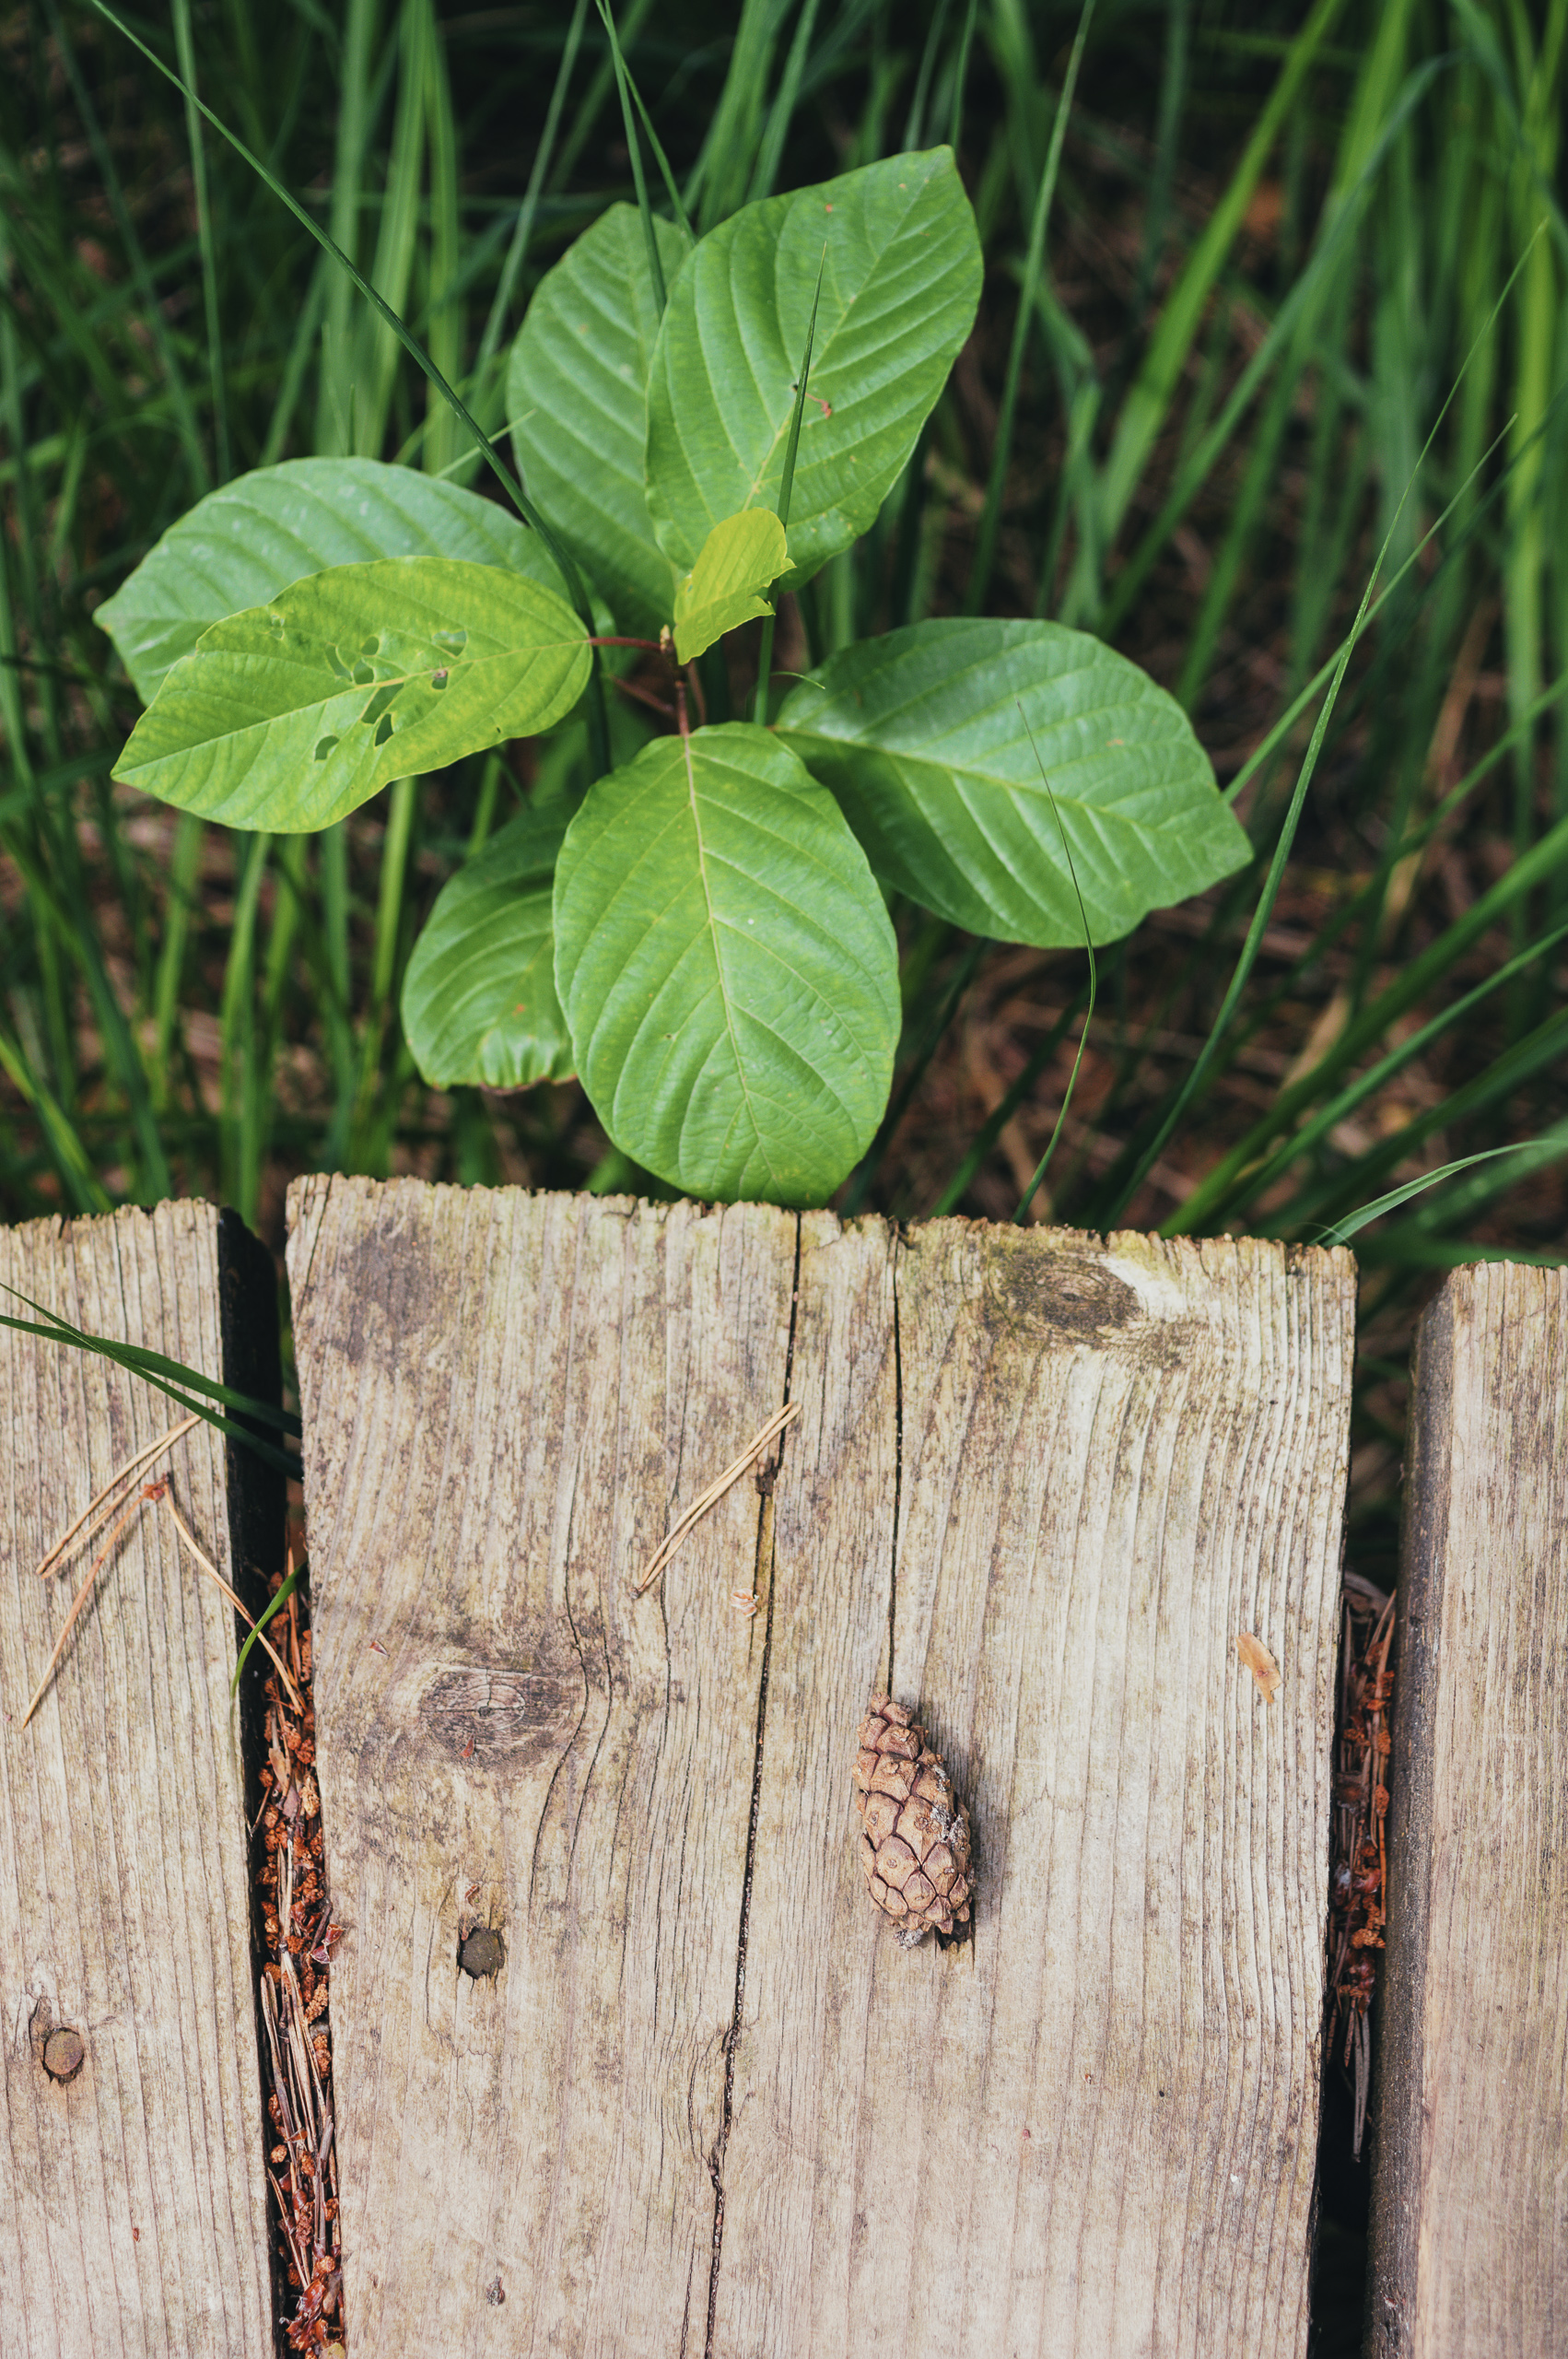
899	286
240	545
576	399
479	999
737	561
925	738
727	968
290	715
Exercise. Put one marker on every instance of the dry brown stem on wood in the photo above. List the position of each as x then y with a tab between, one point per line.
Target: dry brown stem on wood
147	1492
300	1937
714	1493
100	1508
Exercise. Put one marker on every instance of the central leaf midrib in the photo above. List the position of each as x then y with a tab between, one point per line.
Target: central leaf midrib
729	1031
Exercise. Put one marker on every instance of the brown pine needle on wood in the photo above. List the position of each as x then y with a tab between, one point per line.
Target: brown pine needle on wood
205	1562
147	1491
99	1509
714	1493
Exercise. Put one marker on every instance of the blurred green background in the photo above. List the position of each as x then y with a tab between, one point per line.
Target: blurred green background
1279	236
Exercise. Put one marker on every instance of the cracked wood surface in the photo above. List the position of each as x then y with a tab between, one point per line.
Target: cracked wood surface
1059	1479
1469	2222
132	2199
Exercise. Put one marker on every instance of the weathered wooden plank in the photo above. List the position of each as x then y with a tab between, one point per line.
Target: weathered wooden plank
1059	1480
1469	2219
132	2197
508	1400
1092	2130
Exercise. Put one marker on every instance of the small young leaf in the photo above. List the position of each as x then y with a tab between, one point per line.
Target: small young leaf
576	395
924	736
727	967
240	545
899	289
479	999
737	561
292	714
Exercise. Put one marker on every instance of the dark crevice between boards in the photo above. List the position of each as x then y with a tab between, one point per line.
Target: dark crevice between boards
258	1519
897	1244
1342	2191
764	1576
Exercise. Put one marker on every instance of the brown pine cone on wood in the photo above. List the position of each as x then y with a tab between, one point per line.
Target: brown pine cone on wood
915	1844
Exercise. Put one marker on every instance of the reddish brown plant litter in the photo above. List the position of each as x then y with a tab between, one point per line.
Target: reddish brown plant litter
1359	1873
299	1937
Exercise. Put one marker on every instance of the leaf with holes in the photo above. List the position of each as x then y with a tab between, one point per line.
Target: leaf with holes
479	999
727	968
239	546
291	714
899	285
929	739
737	561
576	398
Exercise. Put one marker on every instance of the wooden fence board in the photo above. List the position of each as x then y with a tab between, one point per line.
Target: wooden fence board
1092	2129
132	2197
1469	2222
507	1400
1058	1480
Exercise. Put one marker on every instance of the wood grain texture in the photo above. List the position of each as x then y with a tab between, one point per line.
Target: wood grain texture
508	1400
1469	2225
132	2199
1052	1482
1091	2129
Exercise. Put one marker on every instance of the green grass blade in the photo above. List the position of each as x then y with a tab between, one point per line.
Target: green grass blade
274	1605
634	149
185	50
71	1158
915	121
444	443
1553	1145
391	268
151	311
1344	1103
334	403
961	74
1143	412
781	112
516	252
1001	448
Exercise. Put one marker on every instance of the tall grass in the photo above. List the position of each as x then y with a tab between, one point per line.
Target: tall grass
1229	289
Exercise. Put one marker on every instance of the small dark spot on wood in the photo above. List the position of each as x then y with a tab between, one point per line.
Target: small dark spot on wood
496	2293
64	2053
483	1953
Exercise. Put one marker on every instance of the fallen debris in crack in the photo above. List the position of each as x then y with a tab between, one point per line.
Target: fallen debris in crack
298	1937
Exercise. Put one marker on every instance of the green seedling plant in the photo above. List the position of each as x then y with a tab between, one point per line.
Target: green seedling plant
703	933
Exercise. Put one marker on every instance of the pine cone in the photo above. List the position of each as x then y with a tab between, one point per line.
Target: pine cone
915	1849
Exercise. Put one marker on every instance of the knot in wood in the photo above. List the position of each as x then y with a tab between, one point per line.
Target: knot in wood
483	1953
64	2053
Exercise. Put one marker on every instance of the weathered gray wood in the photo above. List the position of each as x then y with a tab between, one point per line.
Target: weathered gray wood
1093	2129
1469	2222
507	1401
132	2199
1059	1480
